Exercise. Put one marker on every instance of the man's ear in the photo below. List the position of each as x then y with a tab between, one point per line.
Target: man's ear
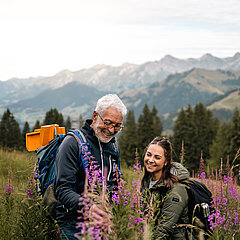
94	116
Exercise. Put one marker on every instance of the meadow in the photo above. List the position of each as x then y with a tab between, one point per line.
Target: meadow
22	215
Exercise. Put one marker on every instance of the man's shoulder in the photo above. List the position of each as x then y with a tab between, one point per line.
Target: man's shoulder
69	142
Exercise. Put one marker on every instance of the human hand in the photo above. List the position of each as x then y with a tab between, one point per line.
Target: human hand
100	218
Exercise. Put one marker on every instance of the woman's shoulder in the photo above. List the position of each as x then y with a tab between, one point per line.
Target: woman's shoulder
179	186
179	189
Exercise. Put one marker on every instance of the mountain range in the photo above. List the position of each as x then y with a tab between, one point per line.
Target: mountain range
169	84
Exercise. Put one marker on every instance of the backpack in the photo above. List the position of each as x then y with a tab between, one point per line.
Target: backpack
45	172
200	205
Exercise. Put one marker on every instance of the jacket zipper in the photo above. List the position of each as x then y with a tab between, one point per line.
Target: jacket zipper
110	162
110	167
101	154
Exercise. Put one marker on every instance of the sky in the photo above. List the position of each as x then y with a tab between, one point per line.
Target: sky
43	37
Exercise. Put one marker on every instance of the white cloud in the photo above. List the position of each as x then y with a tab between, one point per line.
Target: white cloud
43	37
124	11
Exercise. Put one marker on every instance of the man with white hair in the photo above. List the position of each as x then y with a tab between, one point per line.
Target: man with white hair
99	132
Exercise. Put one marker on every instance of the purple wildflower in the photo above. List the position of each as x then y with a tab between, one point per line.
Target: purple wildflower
138	220
202	175
8	190
58	231
115	198
134	183
29	192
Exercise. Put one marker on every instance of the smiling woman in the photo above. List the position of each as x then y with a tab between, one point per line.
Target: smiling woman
160	178
154	161
158	161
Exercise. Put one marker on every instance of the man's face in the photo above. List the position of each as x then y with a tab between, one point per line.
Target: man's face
105	131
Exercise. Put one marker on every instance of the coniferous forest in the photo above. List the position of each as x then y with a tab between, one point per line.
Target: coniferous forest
195	130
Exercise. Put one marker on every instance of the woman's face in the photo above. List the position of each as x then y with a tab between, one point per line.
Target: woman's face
154	160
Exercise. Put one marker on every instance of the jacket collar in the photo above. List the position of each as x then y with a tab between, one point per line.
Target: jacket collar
177	169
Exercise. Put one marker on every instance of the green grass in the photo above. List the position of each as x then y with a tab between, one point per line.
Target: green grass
23	217
22	164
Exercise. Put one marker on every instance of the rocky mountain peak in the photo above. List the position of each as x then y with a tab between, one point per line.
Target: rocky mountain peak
236	55
207	57
168	58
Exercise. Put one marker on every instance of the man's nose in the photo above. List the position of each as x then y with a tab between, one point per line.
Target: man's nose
111	129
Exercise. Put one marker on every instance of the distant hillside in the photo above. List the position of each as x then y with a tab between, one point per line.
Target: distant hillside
169	84
229	101
224	106
117	79
179	90
71	100
13	85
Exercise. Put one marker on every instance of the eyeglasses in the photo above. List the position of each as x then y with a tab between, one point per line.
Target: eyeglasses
110	124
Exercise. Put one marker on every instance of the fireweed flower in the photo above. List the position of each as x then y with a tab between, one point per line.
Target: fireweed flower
29	192
138	220
95	180
115	198
137	167
227	200
134	221
131	221
202	175
58	231
121	199
134	183
227	179
8	190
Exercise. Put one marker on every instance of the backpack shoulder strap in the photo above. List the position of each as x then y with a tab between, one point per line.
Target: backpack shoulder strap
80	135
115	146
84	152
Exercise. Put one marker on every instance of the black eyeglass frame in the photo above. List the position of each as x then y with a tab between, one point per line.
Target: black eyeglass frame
110	124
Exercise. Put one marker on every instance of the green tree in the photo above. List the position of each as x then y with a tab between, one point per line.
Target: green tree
37	125
196	129
157	124
179	131
205	131
145	131
234	135
220	146
53	117
26	129
81	120
68	124
127	139
10	134
182	135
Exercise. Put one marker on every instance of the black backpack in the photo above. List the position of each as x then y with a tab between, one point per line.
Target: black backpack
200	205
